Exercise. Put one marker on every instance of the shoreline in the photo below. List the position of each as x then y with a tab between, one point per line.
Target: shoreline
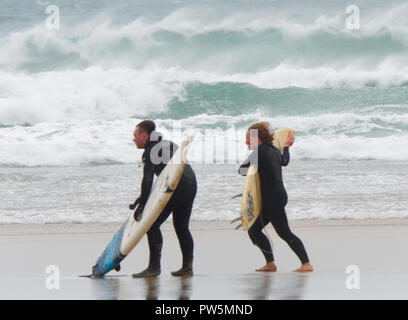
109	227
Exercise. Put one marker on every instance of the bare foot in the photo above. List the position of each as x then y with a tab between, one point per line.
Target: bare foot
269	267
306	267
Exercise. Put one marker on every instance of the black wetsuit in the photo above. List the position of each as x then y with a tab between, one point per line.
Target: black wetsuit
157	154
269	162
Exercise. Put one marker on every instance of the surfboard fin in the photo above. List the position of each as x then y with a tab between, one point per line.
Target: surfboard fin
239	226
235	220
86	276
93	276
237	196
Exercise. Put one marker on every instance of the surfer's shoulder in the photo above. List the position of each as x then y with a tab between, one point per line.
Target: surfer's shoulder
269	152
266	147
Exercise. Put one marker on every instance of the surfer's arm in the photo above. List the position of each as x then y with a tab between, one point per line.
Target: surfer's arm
285	158
285	155
133	205
243	169
147	182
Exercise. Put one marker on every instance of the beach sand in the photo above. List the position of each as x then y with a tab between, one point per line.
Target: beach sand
225	262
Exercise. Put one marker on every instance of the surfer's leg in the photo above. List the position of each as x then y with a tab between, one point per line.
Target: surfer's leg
259	239
154	235
181	220
155	240
280	223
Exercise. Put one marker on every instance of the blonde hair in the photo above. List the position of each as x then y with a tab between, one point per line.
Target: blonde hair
264	133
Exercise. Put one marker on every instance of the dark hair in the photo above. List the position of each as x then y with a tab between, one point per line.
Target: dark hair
263	131
147	126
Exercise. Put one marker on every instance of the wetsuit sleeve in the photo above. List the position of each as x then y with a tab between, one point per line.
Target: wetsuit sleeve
147	181
285	157
243	169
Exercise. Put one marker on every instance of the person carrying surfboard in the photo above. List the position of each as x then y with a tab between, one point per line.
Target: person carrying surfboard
157	154
269	162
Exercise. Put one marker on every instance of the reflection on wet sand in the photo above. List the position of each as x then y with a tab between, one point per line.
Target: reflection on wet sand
152	288
266	286
183	292
109	288
297	288
106	288
185	288
257	286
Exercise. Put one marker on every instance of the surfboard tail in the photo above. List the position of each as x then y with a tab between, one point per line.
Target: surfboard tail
105	265
111	257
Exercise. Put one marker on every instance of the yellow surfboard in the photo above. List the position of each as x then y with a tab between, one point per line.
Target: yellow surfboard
280	137
251	203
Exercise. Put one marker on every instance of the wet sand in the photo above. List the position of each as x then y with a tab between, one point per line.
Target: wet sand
225	262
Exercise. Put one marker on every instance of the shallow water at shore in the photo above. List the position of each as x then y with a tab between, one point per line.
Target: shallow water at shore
316	189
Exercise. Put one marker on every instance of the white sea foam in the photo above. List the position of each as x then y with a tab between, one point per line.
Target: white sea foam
119	93
343	136
105	70
203	40
79	95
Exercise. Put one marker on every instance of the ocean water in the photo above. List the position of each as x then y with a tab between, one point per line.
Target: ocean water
70	98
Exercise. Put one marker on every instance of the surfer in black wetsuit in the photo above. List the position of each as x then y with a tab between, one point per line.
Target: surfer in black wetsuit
269	162
155	157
